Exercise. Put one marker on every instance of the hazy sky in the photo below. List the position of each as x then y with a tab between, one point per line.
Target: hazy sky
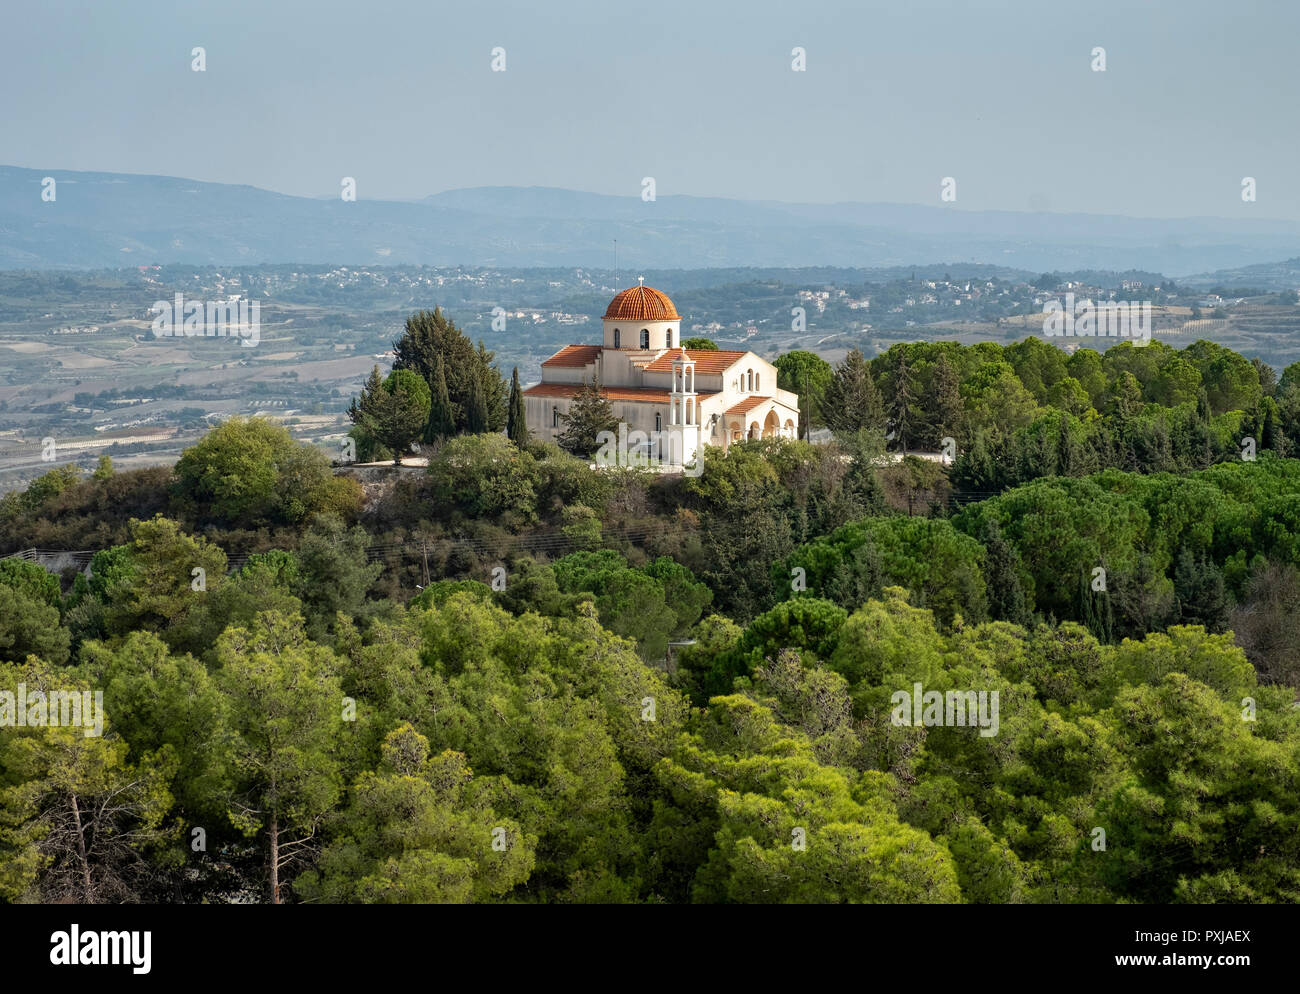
699	95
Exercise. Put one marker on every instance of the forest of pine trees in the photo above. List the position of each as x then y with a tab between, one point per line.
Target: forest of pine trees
509	677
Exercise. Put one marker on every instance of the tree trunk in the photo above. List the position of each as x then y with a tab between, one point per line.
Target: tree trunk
81	850
275	858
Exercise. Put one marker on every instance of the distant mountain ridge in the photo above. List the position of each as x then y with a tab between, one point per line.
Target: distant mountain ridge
111	219
1284	275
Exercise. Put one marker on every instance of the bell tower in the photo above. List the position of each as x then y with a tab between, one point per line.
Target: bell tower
683	412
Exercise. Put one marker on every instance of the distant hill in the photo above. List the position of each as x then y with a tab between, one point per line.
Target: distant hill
110	219
1271	276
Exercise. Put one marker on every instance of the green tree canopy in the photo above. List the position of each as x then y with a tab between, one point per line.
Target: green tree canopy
589	415
395	412
250	470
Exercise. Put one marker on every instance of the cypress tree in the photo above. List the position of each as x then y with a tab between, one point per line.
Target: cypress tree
1202	453
1095	612
516	419
1006	595
1202	596
494	391
476	408
442	420
1064	448
1270	433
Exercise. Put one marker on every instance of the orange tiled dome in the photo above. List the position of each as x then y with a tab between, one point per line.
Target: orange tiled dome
642	303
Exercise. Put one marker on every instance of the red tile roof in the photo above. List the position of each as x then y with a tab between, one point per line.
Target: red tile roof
574	355
707	361
642	303
747	405
571	390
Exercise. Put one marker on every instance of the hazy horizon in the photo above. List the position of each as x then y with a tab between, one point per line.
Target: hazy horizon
62	172
401	96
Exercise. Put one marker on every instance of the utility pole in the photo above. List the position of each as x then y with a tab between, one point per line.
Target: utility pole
807	408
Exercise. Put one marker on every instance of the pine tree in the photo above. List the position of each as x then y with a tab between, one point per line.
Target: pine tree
395	411
283	695
852	402
945	401
900	407
77	815
978	468
367	444
428	336
587	418
1126	395
517	420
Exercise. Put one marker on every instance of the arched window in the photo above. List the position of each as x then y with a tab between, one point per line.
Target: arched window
751	379
668	338
555	417
690	411
645	338
659	421
756	386
618	335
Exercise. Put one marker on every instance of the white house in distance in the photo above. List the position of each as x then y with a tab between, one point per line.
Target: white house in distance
692	397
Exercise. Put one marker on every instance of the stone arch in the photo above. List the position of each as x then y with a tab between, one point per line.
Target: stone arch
771	424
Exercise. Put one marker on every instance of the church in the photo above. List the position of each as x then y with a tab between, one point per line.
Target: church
681	399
